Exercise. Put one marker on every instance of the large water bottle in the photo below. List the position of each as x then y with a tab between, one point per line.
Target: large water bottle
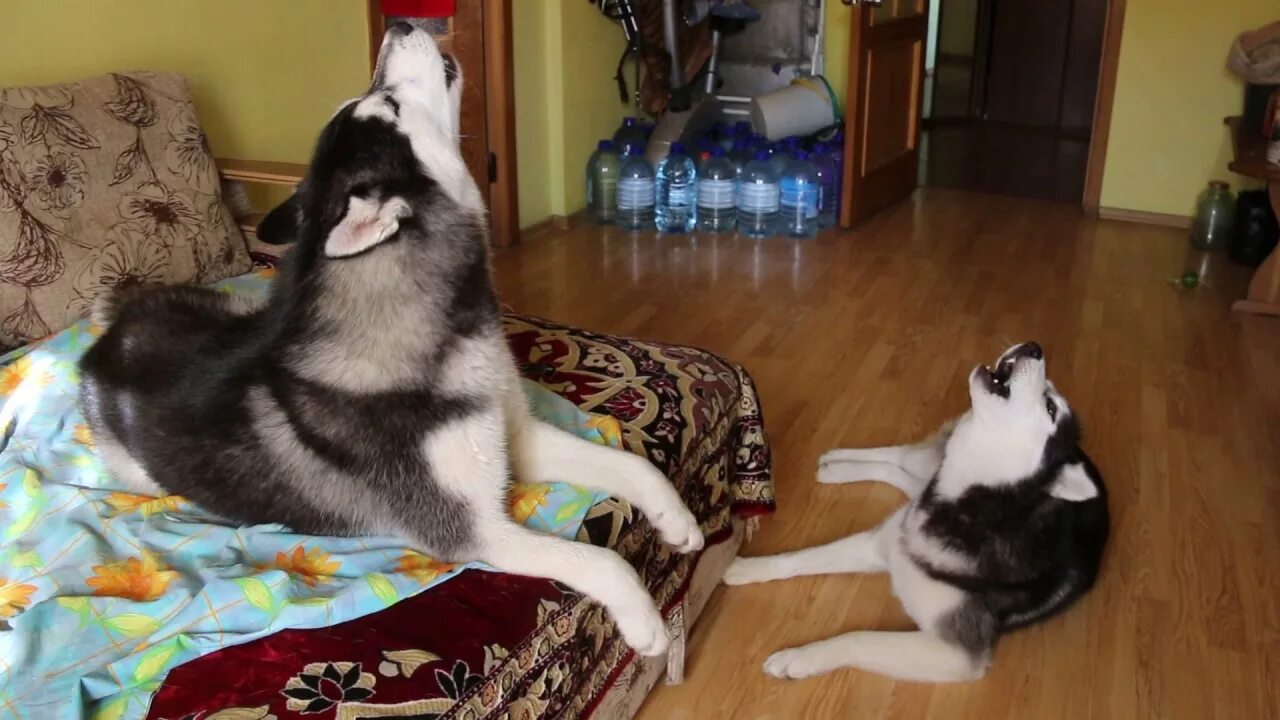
602	182
828	185
717	182
835	151
630	131
635	190
675	209
703	154
758	196
798	213
741	154
779	158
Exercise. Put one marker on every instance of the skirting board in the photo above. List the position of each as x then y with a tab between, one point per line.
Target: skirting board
554	222
1146	218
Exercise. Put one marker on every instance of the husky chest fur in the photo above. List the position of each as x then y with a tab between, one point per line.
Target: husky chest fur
373	392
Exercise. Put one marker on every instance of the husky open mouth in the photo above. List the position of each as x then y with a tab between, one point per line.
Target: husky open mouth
997	380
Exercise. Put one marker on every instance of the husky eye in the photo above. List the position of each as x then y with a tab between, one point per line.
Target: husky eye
450	70
1053	409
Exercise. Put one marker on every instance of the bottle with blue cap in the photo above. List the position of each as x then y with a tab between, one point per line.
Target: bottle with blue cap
758	195
675	208
635	190
602	182
798	201
630	131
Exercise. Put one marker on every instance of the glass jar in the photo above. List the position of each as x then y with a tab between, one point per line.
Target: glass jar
1215	218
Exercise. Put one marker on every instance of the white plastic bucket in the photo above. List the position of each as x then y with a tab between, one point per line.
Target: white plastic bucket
801	108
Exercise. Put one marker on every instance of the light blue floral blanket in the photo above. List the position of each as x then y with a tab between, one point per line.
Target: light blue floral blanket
103	592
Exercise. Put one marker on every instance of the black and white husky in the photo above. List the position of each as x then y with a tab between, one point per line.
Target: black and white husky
373	392
1005	526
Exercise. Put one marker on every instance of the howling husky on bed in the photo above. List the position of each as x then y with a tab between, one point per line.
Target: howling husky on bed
1005	526
373	392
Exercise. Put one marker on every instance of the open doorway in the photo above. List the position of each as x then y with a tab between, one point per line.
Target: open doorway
1010	98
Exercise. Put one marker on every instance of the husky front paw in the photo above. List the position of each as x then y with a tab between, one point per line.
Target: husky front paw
796	663
678	528
643	629
831	457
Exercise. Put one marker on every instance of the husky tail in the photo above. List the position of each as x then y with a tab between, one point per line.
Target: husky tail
108	304
106	307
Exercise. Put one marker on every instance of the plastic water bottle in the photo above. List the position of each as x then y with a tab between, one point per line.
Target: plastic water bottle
741	154
703	154
828	182
630	131
798	215
635	190
779	158
835	151
602	182
675	209
758	197
717	182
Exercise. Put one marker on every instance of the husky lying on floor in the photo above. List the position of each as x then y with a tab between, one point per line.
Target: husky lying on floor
374	392
1005	526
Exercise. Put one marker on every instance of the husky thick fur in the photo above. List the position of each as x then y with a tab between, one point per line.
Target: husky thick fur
373	392
1005	526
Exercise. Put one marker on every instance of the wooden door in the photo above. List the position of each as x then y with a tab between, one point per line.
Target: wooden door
882	120
478	35
1044	61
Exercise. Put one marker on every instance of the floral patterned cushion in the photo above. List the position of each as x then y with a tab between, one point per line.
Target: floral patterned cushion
104	181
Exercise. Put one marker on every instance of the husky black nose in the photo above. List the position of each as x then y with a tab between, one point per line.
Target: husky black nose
399	28
1031	350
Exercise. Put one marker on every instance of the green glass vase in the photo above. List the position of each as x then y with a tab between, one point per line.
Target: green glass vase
1215	218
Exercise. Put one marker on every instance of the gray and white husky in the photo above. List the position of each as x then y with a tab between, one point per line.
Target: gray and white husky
1005	526
373	392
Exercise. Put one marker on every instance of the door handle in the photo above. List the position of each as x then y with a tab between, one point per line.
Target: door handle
872	3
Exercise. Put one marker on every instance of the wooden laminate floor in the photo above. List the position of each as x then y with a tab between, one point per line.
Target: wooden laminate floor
1005	160
865	338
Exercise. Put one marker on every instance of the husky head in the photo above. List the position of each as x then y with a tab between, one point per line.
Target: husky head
1019	429
390	231
387	160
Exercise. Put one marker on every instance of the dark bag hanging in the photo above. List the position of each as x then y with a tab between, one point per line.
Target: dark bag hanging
1256	229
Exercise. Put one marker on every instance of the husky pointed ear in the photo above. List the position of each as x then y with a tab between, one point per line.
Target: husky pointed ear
1073	484
368	222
